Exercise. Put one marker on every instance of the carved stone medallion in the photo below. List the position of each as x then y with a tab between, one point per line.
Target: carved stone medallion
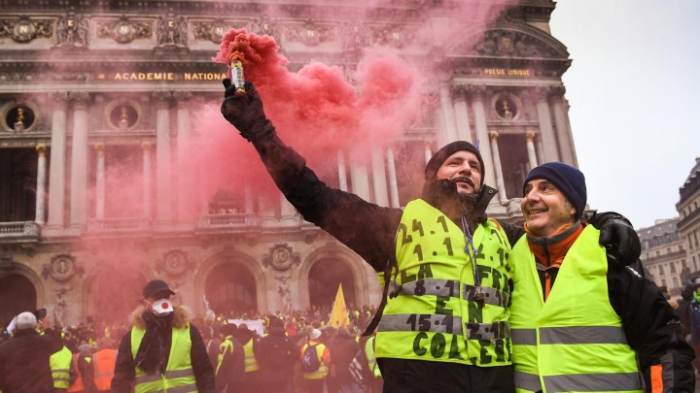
175	263
281	257
62	268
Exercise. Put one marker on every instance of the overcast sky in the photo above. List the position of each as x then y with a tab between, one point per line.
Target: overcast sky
634	91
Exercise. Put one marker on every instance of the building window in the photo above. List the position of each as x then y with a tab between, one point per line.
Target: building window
683	263
18	117
673	267
663	282
661	269
658	253
675	282
695	264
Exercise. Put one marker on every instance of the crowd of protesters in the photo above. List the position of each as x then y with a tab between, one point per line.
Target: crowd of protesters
242	360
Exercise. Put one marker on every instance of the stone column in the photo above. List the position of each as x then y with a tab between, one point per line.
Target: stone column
544	116
342	176
147	180
185	170
448	116
462	115
428	153
381	194
566	142
248	195
100	181
482	135
393	182
532	157
288	214
164	208
493	136
79	161
57	171
360	181
40	217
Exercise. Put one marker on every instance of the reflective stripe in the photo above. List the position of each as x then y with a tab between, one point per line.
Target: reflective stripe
427	286
183	389
60	370
491	295
524	336
583	335
438	323
421	323
527	381
168	374
592	382
66	379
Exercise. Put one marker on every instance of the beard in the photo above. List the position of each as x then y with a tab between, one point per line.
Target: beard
443	195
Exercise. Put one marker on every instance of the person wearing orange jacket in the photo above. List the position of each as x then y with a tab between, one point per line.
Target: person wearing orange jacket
83	367
103	362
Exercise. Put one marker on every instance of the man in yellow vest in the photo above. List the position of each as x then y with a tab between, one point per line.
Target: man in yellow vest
445	263
60	368
315	363
230	366
163	351
580	321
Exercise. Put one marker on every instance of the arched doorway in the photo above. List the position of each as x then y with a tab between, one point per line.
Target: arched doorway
17	294
115	294
324	278
230	290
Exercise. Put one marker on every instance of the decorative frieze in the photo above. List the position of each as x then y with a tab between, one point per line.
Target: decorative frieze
281	257
212	31
395	36
310	33
124	30
25	30
512	44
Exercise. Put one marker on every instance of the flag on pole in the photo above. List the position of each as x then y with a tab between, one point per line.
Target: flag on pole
339	314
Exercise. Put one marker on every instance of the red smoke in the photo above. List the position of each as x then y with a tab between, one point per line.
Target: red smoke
316	110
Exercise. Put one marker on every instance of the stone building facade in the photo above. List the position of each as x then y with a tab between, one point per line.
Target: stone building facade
664	254
88	85
688	208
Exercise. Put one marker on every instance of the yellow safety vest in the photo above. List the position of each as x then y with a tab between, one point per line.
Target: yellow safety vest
575	341
372	357
179	376
226	345
251	363
60	368
439	314
322	371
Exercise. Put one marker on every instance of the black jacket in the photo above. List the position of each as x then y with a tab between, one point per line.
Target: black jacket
366	228
24	361
125	370
230	377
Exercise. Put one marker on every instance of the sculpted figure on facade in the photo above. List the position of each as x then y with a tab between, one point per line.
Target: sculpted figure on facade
267	26
72	30
172	30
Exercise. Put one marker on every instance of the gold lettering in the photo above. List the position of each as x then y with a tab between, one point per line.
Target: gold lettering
171	76
142	76
158	76
117	76
210	77
149	76
24	29
188	76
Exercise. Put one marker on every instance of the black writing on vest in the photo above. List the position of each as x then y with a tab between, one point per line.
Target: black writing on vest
424	271
438	344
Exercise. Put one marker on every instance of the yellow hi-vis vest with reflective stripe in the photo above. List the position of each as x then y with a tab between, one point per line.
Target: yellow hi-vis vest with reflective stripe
251	363
574	342
179	376
322	371
437	314
60	368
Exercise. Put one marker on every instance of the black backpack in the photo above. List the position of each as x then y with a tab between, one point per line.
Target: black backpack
310	362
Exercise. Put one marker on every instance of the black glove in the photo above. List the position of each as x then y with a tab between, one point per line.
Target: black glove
618	237
245	112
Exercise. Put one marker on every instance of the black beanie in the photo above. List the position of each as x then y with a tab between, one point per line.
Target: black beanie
441	155
569	180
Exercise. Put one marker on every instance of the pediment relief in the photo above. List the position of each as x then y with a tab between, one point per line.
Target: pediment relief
511	43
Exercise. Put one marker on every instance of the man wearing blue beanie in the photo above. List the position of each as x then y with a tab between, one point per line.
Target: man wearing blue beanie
579	322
